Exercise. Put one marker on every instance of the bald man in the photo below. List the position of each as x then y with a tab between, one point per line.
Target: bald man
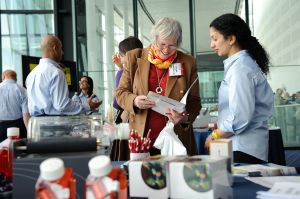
13	105
47	87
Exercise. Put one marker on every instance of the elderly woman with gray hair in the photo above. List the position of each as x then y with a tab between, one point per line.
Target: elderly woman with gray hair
163	69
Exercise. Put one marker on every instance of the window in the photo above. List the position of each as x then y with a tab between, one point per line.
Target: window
23	23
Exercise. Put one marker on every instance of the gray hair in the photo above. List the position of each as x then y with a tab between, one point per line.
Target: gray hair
167	28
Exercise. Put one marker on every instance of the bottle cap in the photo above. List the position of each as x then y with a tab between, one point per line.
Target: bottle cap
52	169
13	131
100	166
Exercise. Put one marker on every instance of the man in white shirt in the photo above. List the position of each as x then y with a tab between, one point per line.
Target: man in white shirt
47	87
13	105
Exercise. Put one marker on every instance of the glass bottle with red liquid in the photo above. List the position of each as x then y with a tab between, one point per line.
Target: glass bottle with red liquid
104	181
55	181
6	153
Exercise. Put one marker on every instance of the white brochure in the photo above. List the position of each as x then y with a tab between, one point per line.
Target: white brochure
163	104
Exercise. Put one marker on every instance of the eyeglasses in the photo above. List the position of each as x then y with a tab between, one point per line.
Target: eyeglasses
162	46
82	81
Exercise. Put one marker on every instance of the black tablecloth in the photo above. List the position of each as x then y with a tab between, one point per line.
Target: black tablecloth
276	149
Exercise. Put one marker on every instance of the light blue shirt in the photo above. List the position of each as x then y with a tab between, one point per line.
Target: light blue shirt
245	105
83	99
48	92
13	100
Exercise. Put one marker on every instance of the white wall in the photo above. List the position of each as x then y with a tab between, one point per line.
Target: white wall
287	76
277	26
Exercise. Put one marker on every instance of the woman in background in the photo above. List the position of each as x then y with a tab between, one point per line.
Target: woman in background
125	45
86	86
245	97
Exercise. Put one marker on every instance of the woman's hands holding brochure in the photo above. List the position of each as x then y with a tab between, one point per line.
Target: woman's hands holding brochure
176	117
142	102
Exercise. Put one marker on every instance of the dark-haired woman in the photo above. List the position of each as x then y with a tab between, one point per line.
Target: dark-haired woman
245	97
86	86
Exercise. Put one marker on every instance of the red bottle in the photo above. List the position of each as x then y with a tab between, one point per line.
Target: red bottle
105	181
6	153
55	181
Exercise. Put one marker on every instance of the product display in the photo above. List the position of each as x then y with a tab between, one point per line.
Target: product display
139	146
148	178
200	177
6	153
6	162
104	181
221	147
181	177
55	180
58	134
63	126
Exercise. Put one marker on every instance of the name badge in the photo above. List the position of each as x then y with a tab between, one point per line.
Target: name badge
176	69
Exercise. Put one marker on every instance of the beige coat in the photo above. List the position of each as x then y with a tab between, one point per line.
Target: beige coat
134	82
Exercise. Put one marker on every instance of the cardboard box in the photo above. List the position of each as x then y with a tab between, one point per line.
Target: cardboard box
181	177
200	177
221	147
148	178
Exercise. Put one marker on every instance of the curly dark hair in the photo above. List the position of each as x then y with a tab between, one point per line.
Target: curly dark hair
231	24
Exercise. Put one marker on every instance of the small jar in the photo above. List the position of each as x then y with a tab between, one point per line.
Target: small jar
104	181
13	133
55	181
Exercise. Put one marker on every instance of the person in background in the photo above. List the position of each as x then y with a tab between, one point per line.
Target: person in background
278	99
125	45
152	69
297	112
297	97
13	105
245	97
286	96
86	86
47	87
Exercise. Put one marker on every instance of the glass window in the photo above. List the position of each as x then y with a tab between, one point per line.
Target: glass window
40	24
17	24
4	24
97	43
209	85
26	5
21	33
118	27
210	66
270	18
6	51
149	12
